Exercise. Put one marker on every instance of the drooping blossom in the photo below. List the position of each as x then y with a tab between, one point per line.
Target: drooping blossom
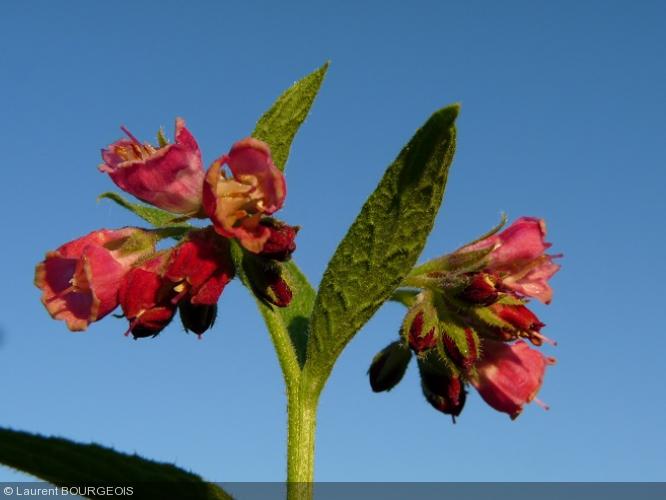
509	376
200	267
191	275
147	298
237	200
169	176
518	257
468	315
80	279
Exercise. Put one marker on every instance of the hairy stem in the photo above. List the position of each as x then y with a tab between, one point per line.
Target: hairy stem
302	416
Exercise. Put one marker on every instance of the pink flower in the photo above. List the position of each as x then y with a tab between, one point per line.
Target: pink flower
80	280
237	201
169	176
519	257
509	376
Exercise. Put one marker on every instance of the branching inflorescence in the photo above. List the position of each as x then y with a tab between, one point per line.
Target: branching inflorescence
84	280
467	321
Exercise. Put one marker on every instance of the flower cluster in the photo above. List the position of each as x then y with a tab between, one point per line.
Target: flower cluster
86	279
468	322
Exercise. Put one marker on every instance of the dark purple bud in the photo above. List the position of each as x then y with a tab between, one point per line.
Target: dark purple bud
389	366
444	391
197	317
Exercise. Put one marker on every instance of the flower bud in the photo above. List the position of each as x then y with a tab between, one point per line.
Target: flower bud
389	366
267	279
280	243
420	326
461	345
521	323
481	290
197	317
419	339
444	391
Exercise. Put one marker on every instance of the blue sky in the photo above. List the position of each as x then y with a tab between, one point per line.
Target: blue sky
563	109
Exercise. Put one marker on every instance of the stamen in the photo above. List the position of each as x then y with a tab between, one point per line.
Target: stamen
541	404
129	134
544	338
182	291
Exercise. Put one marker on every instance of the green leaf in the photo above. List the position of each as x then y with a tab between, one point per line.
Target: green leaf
66	463
155	216
383	243
279	124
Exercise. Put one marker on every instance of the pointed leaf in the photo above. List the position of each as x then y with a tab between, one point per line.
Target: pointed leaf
383	243
66	463
152	215
279	124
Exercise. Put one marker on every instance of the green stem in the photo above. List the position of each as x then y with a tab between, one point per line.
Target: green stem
302	417
302	403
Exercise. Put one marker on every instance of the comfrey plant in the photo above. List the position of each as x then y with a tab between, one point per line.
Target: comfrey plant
467	312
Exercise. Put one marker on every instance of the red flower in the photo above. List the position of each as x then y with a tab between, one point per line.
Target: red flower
518	257
201	267
280	243
509	376
194	273
147	298
80	280
169	176
521	322
237	202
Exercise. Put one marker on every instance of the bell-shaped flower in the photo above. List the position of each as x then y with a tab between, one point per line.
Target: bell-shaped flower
517	255
80	279
238	199
169	176
508	376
